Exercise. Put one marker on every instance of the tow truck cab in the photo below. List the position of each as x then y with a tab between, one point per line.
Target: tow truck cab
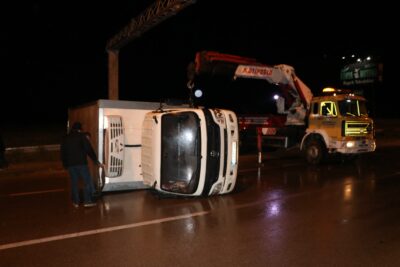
338	123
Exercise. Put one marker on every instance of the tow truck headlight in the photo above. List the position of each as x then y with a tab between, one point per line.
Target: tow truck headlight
350	144
234	153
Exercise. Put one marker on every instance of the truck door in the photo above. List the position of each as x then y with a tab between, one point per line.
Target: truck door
329	121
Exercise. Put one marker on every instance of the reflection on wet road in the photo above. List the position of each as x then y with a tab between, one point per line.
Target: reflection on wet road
284	213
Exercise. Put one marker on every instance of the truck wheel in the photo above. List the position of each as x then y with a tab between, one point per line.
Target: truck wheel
315	152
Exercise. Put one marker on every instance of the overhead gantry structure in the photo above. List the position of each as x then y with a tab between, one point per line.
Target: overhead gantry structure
152	16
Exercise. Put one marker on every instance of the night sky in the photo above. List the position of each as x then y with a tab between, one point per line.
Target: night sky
53	53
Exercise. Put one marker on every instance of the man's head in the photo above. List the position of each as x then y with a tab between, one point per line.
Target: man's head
76	126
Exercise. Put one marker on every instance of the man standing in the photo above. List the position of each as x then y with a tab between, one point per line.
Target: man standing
75	148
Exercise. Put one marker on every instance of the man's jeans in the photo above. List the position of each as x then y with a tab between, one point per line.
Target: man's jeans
81	171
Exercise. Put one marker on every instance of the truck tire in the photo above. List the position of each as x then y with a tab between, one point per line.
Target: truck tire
315	151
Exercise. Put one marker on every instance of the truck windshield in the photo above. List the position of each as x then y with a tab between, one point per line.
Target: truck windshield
353	107
180	150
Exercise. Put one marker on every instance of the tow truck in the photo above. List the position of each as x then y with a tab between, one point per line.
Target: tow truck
336	122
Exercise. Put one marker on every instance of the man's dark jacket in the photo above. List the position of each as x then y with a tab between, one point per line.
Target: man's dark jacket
75	148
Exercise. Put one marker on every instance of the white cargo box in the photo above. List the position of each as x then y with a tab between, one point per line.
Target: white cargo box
115	128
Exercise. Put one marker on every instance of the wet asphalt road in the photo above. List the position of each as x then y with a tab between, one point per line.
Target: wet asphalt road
284	213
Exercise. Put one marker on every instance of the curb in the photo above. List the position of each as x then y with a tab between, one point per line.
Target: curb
27	149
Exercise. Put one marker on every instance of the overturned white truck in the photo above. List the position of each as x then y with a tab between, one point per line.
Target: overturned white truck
173	149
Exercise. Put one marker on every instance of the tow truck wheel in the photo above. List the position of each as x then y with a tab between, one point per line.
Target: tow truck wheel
315	152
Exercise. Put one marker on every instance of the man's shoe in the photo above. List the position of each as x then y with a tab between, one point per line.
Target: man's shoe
75	205
91	204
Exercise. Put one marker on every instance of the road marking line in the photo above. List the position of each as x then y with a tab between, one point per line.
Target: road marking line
35	192
99	231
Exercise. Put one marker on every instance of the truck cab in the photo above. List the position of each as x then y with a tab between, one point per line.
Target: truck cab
190	152
338	123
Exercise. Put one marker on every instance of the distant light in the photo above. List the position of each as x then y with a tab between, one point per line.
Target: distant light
353	55
368	58
343	57
276	97
328	90
198	93
358	59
